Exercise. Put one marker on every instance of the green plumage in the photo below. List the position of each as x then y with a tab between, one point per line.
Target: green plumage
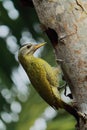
44	78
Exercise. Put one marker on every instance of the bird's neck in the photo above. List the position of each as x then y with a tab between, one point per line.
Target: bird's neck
26	60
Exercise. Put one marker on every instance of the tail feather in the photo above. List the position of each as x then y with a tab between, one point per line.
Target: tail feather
70	109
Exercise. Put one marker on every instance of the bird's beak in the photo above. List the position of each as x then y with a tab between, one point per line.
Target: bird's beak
39	45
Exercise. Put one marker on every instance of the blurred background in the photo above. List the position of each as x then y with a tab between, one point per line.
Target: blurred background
21	108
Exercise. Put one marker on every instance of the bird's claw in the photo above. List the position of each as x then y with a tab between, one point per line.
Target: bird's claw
82	115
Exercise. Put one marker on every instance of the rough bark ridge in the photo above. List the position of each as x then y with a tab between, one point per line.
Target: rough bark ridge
66	20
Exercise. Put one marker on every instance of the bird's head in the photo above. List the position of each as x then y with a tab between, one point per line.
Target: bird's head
29	49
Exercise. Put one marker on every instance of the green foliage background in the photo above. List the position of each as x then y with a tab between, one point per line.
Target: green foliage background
33	107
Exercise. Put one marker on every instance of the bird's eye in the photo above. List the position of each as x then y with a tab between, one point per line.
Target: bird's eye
28	46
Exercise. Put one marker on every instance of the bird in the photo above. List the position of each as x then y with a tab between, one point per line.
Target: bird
43	77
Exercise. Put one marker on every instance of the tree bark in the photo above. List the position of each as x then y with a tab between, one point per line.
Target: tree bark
66	24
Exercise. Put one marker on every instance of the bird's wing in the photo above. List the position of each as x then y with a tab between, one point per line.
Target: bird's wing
52	76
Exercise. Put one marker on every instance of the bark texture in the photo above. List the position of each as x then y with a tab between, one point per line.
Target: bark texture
66	23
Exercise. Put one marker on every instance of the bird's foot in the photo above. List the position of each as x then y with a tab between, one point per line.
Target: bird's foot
62	86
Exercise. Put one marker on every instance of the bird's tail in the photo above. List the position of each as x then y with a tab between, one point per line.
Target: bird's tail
70	109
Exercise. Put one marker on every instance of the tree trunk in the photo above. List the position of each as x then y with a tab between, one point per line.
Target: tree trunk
66	24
